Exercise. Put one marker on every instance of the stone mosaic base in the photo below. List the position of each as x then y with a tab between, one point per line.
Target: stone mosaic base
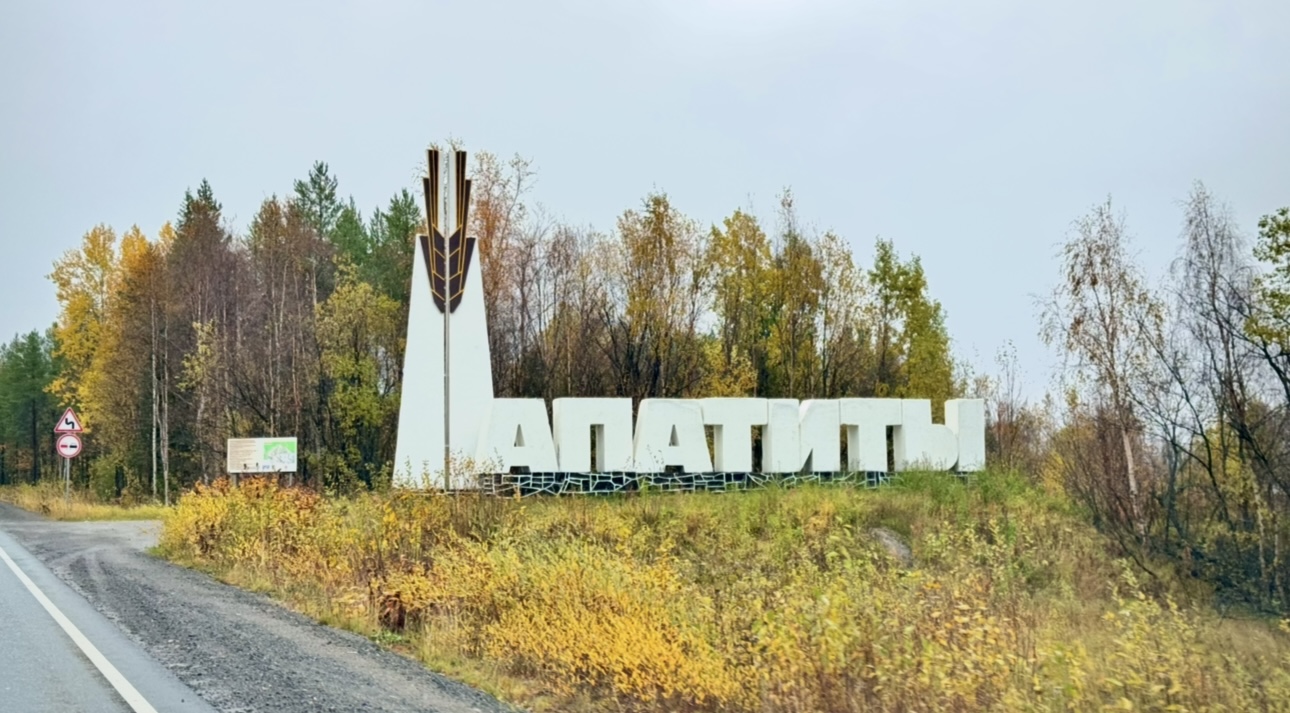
608	483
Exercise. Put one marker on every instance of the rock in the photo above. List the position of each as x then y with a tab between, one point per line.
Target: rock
894	545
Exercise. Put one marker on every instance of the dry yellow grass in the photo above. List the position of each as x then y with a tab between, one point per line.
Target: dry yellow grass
47	499
775	600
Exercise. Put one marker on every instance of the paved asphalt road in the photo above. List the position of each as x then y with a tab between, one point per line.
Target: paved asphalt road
176	639
43	668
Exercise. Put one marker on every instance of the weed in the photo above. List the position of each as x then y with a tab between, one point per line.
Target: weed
771	600
48	499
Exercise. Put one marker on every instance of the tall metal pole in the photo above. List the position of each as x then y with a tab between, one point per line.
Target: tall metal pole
449	220
67	482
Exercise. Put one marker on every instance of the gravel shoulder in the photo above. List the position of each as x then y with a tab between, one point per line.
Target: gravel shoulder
241	652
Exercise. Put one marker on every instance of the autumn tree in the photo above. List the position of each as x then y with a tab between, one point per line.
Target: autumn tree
1203	366
911	346
1272	323
739	256
928	371
359	333
1017	430
510	252
844	331
1104	319
81	278
121	386
796	281
200	270
574	345
660	290
278	356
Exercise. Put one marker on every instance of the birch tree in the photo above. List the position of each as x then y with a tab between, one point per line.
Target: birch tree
1104	320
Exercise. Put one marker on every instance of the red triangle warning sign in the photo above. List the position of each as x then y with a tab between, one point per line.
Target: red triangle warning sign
69	423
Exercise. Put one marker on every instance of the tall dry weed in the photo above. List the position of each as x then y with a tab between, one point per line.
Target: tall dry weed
777	600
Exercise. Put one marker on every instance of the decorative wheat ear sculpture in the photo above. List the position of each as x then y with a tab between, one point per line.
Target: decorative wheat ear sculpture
447	259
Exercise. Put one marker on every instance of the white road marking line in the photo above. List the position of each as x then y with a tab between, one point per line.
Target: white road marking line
132	697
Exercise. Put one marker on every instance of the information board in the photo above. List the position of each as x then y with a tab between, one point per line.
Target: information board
262	455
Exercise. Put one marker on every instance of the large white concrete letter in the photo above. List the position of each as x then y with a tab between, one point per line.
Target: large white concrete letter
820	429
516	434
574	420
866	421
669	432
919	443
781	440
732	421
966	418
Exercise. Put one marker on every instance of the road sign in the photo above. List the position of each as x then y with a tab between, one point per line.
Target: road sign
69	423
68	445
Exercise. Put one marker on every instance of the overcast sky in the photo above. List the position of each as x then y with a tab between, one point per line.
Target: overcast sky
970	134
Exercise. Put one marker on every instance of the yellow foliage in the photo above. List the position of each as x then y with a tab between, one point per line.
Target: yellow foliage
759	601
82	279
722	377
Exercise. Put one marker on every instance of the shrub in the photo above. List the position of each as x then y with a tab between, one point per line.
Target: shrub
770	600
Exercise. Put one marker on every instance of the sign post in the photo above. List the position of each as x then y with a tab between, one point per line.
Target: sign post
69	445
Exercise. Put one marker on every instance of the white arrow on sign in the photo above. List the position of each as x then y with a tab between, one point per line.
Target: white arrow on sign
68	445
69	423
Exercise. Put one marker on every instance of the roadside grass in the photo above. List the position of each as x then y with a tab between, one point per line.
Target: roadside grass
766	600
47	499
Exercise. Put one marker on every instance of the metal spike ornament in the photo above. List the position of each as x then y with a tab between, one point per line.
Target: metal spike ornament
447	259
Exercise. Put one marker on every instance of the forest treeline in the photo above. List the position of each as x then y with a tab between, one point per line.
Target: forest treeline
1169	423
168	345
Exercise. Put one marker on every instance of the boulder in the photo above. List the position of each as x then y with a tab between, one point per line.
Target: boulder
894	544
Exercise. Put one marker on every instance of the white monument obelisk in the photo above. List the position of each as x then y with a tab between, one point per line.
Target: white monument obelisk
447	372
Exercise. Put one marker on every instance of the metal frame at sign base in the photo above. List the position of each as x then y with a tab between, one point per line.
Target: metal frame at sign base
528	484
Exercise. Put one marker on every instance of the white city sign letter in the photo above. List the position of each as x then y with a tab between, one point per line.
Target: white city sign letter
966	418
866	421
820	426
516	435
781	440
732	421
919	443
573	422
669	432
